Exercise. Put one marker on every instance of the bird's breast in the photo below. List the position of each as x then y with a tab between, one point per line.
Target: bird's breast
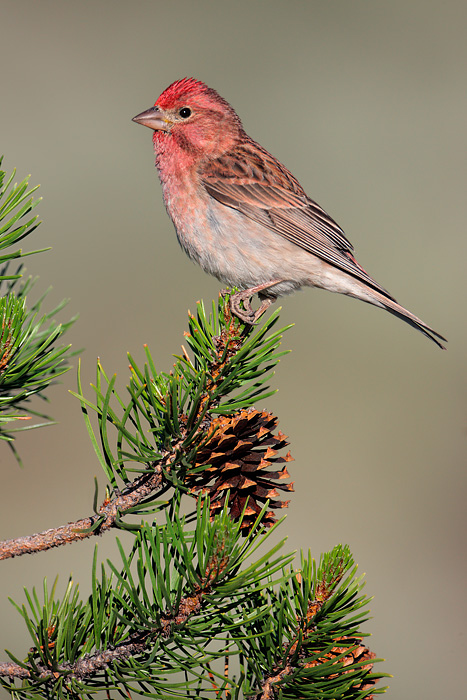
225	243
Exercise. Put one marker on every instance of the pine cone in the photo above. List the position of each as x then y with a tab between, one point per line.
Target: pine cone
359	654
237	453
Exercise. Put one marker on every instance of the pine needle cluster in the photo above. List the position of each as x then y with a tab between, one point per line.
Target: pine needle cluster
31	354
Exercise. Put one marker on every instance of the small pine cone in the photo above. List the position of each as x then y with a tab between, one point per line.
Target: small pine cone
237	453
358	654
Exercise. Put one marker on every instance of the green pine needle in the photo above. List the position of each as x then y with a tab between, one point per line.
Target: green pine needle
31	357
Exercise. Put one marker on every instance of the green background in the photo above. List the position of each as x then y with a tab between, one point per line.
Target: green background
366	103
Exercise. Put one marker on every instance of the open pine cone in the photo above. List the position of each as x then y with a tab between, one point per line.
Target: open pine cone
237	453
357	654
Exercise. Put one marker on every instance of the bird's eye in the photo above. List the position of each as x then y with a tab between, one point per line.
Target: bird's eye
185	112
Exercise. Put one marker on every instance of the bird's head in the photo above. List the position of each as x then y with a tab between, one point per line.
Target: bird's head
195	116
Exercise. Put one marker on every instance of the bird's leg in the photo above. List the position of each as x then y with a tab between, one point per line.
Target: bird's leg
247	314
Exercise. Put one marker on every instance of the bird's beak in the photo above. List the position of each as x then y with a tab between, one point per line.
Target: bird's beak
154	118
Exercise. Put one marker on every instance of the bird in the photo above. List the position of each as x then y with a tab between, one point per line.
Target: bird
242	216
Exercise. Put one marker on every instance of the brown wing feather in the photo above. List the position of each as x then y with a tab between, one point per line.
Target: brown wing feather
250	180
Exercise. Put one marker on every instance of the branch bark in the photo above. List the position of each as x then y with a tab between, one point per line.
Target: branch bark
108	514
90	664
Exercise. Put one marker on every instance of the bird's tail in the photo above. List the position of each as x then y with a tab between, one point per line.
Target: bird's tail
378	299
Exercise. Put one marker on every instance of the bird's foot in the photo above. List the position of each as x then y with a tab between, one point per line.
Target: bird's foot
240	303
247	314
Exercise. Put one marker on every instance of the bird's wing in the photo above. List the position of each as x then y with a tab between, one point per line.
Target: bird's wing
250	180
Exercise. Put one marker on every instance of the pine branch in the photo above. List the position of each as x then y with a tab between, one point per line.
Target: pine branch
135	631
106	518
30	359
90	664
225	359
347	652
116	637
183	600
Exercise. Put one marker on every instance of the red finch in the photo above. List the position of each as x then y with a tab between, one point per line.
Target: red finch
242	215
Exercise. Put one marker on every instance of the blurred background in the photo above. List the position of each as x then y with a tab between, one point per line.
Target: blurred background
366	103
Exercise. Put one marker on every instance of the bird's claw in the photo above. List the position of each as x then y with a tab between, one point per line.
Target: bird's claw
247	314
